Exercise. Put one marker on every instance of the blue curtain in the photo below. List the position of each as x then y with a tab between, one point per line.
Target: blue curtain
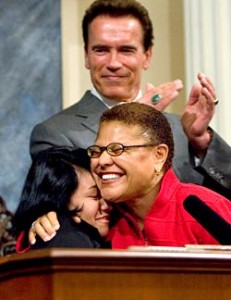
30	83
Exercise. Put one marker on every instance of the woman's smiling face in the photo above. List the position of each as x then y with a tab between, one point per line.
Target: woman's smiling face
94	210
132	173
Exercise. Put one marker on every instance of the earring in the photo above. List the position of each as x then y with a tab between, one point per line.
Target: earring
157	172
77	219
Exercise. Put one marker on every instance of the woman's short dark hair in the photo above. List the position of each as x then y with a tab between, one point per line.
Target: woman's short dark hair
49	185
154	125
119	8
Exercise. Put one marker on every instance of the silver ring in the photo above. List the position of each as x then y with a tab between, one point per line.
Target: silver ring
216	101
32	226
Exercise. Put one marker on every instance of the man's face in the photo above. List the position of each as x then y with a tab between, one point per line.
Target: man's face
116	57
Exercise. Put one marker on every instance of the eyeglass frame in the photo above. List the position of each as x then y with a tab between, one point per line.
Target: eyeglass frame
123	148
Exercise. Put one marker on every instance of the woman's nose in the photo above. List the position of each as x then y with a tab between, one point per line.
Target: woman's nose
105	206
105	158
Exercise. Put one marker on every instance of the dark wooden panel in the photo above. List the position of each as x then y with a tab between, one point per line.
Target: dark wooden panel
110	275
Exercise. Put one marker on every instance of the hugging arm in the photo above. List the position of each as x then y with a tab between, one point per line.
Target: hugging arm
45	226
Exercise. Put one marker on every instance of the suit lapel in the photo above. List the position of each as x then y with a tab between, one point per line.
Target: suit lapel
91	109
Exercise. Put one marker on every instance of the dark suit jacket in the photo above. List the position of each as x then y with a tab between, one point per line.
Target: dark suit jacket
77	126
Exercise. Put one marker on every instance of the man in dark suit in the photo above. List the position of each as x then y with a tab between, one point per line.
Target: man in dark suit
118	46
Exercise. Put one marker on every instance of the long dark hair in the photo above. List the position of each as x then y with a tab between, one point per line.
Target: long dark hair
49	185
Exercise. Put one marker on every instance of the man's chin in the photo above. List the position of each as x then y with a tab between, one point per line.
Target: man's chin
116	95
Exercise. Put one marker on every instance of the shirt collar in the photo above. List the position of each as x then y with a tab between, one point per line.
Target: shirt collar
108	102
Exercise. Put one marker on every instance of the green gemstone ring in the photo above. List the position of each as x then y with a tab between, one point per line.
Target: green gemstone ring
155	98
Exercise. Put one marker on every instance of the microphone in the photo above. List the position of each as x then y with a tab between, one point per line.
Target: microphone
209	219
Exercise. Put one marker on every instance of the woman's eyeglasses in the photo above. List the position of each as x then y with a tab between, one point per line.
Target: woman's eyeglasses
113	149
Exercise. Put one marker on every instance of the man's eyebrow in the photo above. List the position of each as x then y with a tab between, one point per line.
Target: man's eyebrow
129	47
99	46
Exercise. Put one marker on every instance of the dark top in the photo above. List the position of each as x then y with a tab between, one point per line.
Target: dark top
73	235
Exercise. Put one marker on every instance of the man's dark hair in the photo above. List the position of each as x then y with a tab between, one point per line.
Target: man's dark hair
119	8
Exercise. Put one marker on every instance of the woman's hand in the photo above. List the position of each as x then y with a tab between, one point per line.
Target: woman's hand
45	227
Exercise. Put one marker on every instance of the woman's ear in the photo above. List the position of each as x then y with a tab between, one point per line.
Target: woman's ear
161	154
